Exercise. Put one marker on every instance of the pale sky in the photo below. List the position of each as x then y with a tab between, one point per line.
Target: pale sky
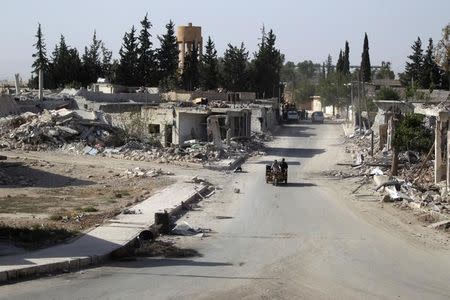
306	30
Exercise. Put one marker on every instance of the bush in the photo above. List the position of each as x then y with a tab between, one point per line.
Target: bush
411	134
387	93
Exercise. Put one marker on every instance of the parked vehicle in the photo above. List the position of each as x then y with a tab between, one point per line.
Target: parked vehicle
317	117
292	116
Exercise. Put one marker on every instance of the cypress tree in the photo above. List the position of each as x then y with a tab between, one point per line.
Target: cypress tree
366	73
340	63
146	59
329	65
167	56
346	59
209	67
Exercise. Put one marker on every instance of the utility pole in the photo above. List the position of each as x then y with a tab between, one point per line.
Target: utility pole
359	102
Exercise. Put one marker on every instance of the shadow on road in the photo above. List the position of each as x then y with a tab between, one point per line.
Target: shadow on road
202	276
294	152
163	262
295	131
270	162
298	184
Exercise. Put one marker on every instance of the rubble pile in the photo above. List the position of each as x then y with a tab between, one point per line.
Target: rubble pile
413	188
143	173
191	151
54	129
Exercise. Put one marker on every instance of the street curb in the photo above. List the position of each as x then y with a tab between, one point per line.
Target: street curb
76	264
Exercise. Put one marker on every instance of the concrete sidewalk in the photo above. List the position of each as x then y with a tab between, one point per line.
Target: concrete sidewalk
95	246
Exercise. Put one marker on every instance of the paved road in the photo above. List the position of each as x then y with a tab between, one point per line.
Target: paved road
296	241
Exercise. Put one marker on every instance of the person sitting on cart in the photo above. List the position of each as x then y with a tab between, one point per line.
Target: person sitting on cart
283	165
275	166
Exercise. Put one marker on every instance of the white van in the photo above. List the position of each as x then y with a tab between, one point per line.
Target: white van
292	116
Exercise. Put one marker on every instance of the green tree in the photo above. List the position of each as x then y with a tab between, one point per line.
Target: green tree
267	66
411	134
41	62
210	67
289	72
387	93
340	63
235	70
385	71
366	72
91	59
329	64
40	57
430	73
346	60
413	68
167	56
146	65
127	69
66	65
442	55
190	76
106	65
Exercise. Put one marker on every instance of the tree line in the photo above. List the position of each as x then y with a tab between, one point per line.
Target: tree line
429	70
141	64
332	81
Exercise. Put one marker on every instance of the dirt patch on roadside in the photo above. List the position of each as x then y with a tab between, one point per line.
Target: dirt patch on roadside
41	194
34	237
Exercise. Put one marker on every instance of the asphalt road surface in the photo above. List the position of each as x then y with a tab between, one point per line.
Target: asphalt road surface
298	241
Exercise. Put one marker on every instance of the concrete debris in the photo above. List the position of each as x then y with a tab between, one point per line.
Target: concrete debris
132	212
407	190
192	151
143	173
53	129
183	228
197	179
442	225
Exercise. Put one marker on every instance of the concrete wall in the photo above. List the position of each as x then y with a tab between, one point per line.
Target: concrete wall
162	117
130	121
121	97
191	126
247	96
176	96
211	95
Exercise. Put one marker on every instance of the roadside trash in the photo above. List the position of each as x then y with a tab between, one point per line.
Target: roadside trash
185	229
